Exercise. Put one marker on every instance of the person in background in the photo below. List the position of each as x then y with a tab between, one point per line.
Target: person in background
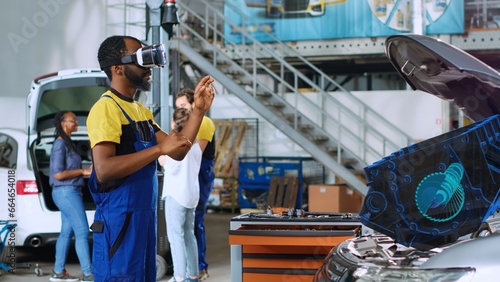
185	99
66	180
126	143
181	193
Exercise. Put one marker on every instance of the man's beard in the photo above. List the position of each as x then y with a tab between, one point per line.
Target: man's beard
138	81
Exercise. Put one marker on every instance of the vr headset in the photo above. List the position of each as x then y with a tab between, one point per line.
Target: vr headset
147	57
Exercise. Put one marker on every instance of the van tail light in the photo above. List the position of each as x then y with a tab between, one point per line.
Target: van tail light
26	187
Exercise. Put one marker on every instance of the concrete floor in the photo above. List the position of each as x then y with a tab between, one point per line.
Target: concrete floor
218	255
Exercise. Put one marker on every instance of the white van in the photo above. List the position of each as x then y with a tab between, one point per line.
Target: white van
26	137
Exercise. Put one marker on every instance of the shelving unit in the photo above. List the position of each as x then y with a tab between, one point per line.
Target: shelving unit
234	138
224	194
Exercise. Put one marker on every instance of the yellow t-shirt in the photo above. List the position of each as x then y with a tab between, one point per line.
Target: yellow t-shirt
107	123
207	129
207	132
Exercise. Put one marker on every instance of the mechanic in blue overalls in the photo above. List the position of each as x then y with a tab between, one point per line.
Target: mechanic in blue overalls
126	142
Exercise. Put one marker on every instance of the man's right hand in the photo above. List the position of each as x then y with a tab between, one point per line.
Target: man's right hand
204	94
175	145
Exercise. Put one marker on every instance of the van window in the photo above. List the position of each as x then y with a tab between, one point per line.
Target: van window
75	99
8	151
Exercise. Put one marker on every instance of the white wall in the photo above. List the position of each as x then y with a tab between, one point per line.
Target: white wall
417	113
44	36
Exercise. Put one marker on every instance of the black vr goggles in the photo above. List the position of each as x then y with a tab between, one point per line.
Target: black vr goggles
148	57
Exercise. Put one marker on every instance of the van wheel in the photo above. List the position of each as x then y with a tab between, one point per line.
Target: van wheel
161	267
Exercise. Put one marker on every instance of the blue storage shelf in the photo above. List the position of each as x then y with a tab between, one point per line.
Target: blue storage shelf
255	175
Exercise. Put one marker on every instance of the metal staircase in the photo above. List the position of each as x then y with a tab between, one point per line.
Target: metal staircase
336	128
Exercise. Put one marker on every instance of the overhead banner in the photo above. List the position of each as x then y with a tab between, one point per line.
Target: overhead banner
295	20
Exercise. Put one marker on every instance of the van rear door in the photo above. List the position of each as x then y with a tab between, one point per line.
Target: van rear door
70	90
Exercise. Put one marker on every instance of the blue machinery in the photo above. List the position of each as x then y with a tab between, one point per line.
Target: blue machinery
255	175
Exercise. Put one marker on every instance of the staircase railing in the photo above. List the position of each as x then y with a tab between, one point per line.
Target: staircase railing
358	130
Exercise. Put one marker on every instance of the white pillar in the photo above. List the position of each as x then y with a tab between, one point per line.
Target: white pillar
418	16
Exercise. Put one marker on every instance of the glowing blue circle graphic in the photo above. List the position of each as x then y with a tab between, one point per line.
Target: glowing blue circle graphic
440	196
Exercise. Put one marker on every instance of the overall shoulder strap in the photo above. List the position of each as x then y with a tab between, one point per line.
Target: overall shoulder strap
123	111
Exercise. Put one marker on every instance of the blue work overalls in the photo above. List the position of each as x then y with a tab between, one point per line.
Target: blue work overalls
206	179
125	224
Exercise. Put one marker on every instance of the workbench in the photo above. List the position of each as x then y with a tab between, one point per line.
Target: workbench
271	247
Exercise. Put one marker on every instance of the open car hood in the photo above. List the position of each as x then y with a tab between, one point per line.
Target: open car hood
436	67
433	192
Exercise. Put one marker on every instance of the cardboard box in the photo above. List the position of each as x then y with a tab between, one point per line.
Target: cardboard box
334	198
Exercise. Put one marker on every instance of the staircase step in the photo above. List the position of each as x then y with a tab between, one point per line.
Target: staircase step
264	94
243	82
348	161
306	127
223	63
331	150
319	138
290	117
274	104
206	52
233	72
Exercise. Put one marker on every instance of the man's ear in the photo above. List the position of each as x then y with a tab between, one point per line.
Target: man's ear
118	69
